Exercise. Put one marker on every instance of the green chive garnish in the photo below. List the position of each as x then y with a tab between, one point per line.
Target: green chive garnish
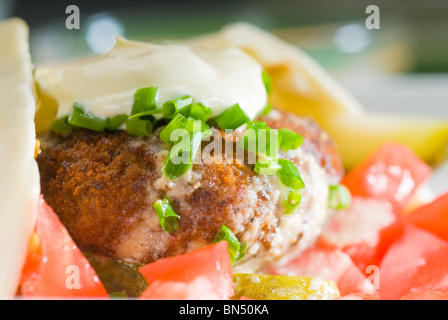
144	100
286	170
265	111
292	200
139	127
289	175
145	113
257	125
290	140
268	142
177	163
339	197
267	82
169	220
249	141
115	122
241	252
170	107
200	112
84	119
183	152
232	118
236	251
178	122
267	167
61	125
260	139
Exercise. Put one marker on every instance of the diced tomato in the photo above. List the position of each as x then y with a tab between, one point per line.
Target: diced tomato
55	267
429	294
358	296
393	173
205	273
200	288
328	264
416	261
364	231
432	217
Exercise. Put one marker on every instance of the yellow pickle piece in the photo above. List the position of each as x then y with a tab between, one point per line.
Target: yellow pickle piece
274	287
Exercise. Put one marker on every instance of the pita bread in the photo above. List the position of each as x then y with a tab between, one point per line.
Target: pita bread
19	187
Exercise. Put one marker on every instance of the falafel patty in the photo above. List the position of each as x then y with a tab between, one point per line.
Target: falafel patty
103	186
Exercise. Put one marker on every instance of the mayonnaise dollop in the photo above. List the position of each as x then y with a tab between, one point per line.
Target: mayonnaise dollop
105	84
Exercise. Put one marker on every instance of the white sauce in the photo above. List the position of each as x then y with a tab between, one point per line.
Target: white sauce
105	84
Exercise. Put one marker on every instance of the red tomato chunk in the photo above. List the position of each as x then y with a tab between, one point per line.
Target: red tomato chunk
432	217
392	173
416	261
358	296
205	273
55	267
429	294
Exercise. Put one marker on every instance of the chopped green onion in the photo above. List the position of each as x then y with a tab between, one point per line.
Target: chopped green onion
169	220
115	122
286	170
199	126
139	127
267	81
170	107
144	100
290	140
261	139
61	125
178	122
257	125
234	247
242	251
249	141
265	111
232	118
84	119
269	143
200	112
185	111
292	200
339	197
145	113
267	167
183	152
177	163
289	175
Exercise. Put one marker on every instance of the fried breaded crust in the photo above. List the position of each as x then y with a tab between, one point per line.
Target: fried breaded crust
103	186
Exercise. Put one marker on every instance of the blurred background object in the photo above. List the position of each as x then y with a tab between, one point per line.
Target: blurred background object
401	67
5	9
337	25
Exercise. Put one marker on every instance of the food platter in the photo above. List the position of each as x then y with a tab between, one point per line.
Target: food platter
232	161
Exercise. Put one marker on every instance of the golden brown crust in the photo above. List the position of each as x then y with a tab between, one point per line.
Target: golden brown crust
97	184
103	186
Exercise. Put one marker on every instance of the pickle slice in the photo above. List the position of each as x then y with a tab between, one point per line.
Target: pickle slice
273	287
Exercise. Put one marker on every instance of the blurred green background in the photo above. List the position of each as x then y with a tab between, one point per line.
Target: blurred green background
418	28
